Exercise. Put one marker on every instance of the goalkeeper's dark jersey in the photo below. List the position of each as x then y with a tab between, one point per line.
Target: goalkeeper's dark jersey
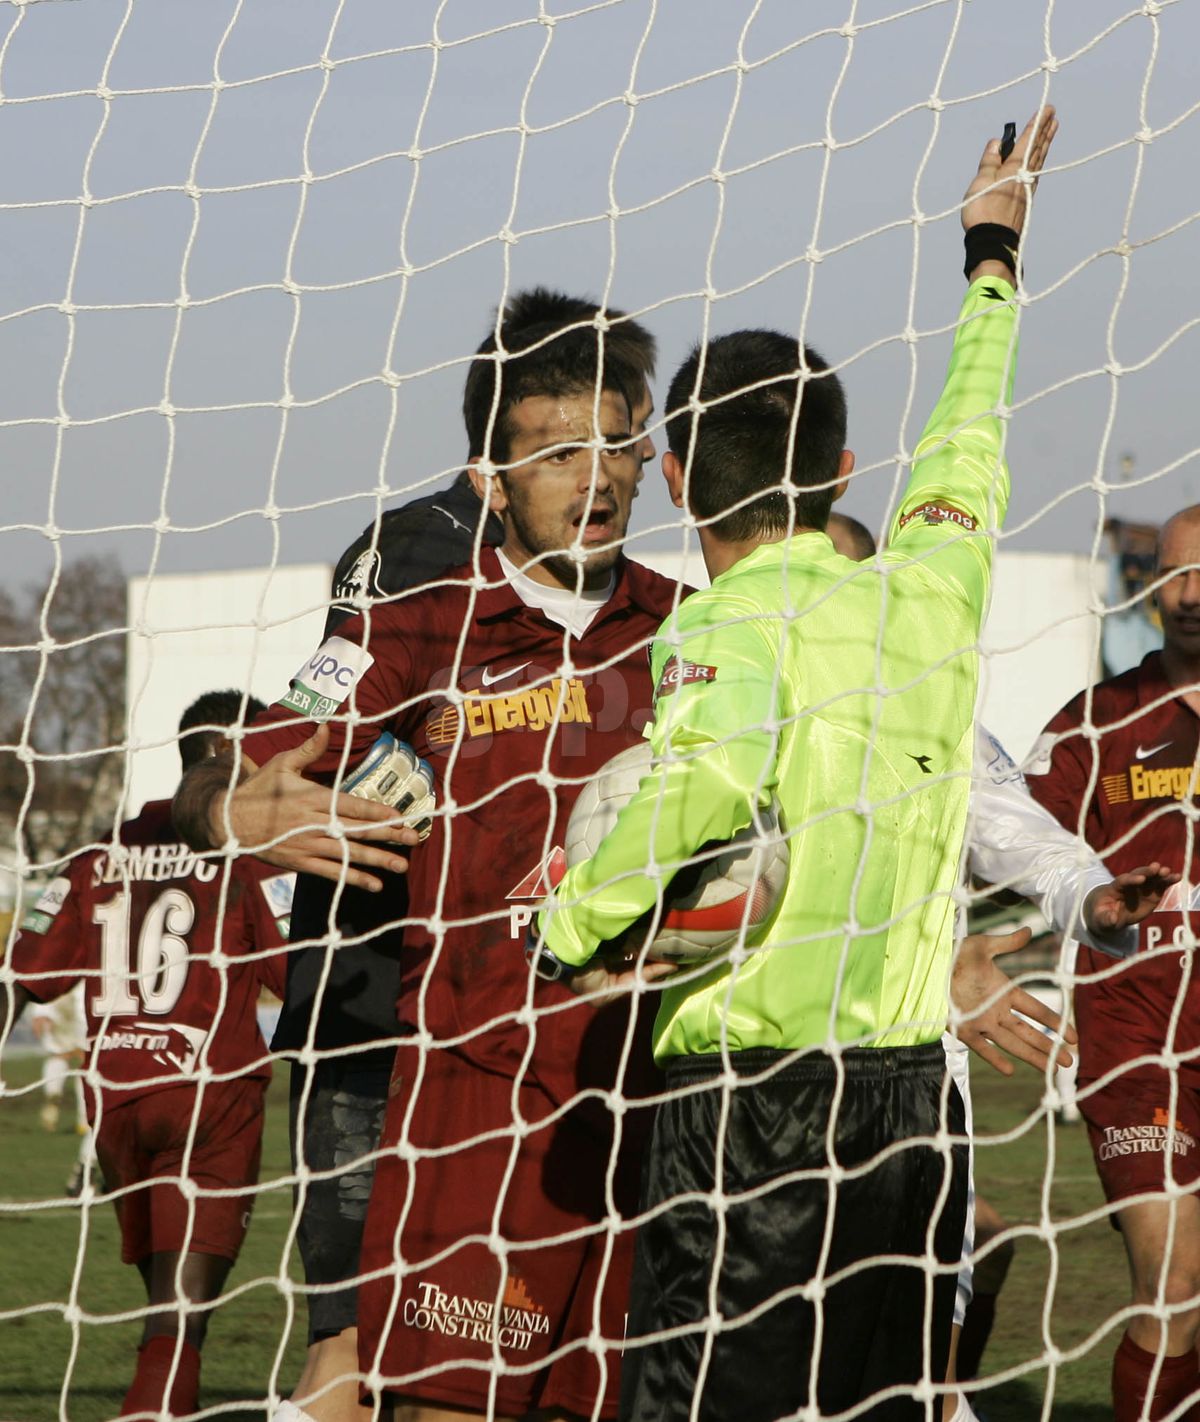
139	922
483	687
413	547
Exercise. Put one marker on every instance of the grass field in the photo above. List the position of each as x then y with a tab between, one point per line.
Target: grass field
250	1335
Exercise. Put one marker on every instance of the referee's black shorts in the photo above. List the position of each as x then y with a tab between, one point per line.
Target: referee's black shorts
336	1140
822	1287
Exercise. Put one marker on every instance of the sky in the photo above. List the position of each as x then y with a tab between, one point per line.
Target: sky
247	245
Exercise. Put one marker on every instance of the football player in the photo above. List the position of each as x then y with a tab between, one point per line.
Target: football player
172	948
1117	765
494	1247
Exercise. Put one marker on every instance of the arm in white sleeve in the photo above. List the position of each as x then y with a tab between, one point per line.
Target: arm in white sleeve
1014	843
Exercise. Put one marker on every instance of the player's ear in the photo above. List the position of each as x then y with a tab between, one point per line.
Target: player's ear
672	468
845	469
488	486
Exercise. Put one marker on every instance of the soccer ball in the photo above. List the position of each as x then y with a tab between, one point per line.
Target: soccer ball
726	894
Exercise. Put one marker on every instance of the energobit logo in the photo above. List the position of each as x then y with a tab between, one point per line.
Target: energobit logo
532	708
1139	782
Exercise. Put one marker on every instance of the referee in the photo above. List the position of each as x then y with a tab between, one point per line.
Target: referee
804	1202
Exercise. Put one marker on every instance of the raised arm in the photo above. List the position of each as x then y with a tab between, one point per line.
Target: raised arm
958	492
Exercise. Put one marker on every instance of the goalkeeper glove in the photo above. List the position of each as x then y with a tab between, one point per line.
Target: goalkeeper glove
393	774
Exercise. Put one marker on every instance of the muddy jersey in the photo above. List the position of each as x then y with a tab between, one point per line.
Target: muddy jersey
1122	771
139	922
514	717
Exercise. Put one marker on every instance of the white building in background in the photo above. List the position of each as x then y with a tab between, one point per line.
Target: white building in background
197	632
206	631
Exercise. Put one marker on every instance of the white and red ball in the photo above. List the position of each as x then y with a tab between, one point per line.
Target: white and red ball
727	894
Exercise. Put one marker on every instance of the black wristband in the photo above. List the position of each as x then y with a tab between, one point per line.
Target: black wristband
990	242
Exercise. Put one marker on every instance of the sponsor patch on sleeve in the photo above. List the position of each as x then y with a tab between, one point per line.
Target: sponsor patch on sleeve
361	579
42	914
680	672
328	677
278	891
937	511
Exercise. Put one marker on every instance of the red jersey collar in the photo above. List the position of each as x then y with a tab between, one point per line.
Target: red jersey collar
635	586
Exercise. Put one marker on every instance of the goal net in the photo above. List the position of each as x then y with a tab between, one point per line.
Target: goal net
249	250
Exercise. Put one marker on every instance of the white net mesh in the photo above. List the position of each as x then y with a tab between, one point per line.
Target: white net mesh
248	250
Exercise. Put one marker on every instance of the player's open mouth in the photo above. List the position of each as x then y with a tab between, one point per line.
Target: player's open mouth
597	528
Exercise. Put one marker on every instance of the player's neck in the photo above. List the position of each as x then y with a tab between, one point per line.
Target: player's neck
720	554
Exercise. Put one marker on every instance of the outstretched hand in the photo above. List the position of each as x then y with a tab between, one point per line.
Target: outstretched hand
286	820
1127	899
997	193
986	1003
604	979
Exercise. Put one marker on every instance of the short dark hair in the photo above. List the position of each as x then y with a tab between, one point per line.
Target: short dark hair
213	710
739	482
551	347
858	535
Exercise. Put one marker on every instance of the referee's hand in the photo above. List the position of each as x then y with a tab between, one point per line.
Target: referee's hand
989	1008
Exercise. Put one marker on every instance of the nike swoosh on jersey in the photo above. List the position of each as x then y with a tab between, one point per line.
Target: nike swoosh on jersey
512	671
1154	750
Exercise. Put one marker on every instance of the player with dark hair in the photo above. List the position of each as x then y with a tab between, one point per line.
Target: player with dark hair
1117	765
801	1200
337	1105
415	544
490	1241
177	1069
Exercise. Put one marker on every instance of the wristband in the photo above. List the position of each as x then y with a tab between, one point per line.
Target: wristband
990	242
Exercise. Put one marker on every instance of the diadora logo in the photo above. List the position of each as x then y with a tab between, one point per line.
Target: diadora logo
1140	782
680	672
531	708
513	1325
328	678
528	892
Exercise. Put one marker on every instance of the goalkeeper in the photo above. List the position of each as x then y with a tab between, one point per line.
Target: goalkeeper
851	698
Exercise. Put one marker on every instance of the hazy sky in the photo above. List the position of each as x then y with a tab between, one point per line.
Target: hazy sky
428	130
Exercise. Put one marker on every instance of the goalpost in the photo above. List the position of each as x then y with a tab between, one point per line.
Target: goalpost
247	250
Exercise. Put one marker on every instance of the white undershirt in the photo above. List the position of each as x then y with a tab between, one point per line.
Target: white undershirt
576	611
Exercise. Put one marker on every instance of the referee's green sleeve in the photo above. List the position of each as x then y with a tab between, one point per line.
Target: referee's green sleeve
715	700
958	493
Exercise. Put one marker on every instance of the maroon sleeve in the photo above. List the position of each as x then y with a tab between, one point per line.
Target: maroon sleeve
355	681
1061	770
50	952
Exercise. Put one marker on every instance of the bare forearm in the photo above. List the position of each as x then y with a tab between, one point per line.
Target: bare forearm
198	808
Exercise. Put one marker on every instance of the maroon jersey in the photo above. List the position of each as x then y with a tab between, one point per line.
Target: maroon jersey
137	922
1130	790
482	686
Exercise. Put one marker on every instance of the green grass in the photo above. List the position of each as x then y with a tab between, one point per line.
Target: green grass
39	1250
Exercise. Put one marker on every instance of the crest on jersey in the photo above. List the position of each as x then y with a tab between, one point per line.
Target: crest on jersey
543	878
